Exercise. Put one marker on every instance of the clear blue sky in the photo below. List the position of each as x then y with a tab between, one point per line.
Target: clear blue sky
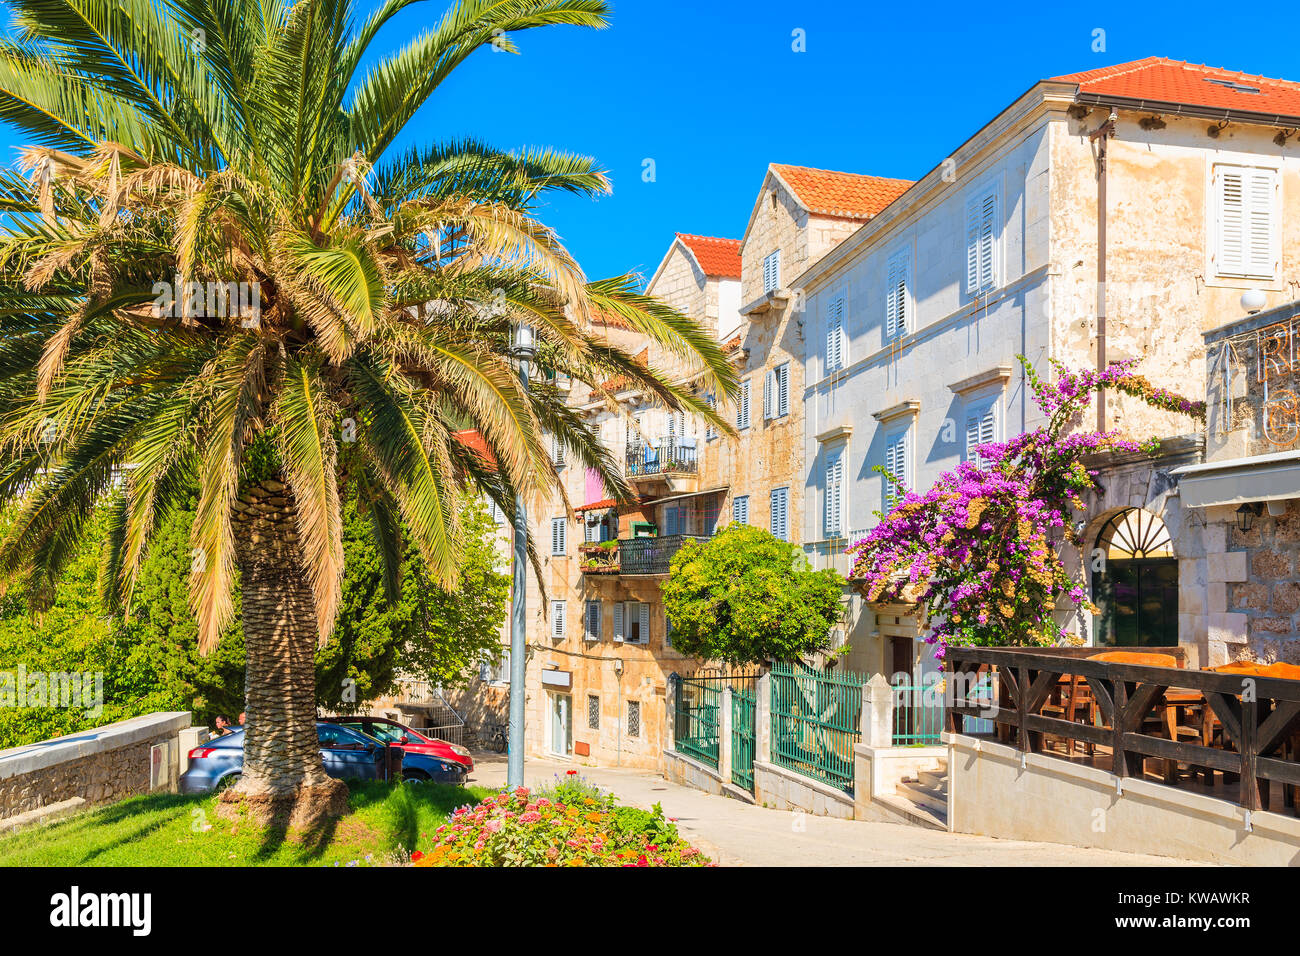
712	92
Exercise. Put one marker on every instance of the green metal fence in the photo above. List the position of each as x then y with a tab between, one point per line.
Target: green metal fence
918	714
696	719
815	722
744	708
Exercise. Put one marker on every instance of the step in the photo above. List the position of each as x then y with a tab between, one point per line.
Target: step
928	798
907	812
934	779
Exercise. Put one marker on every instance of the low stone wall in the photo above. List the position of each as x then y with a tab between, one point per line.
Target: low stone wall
992	793
99	766
784	789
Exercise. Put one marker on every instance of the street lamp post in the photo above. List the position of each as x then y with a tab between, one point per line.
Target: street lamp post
525	350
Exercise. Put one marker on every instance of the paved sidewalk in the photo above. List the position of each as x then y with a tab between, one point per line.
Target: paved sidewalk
737	834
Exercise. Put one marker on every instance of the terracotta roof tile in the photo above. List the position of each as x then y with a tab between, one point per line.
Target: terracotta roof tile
845	195
620	382
717	257
731	345
475	442
1159	79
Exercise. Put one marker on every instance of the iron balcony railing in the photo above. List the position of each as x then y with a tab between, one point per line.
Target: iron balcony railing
668	457
651	555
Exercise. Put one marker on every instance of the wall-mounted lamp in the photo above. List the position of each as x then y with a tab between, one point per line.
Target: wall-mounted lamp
1253	301
1246	515
618	665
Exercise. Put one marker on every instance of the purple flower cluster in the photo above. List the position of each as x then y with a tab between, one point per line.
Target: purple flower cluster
979	550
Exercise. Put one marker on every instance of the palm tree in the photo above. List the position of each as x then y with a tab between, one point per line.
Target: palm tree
217	268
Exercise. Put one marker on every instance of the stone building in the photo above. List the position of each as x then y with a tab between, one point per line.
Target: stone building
915	321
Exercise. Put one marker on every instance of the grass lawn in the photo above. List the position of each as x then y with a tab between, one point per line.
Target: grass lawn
387	821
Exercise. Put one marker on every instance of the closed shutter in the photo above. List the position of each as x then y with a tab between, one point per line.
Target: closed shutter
981	226
559	532
835	334
673	520
896	463
780	502
1246	221
643	622
742	406
710	432
740	509
981	428
557	452
618	623
593	620
783	390
898	282
834	491
768	388
668	630
557	619
772	271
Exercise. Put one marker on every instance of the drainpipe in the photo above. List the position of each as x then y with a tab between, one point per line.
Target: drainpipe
1100	137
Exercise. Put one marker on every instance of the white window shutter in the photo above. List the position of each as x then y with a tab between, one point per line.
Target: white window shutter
898	282
557	619
835	334
1259	250
557	451
767	394
834	494
783	390
972	246
618	622
558	535
643	611
981	245
742	406
1232	220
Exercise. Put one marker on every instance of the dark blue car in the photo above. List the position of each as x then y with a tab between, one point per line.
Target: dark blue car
346	754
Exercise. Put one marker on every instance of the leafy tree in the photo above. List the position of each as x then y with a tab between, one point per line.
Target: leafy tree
745	596
184	145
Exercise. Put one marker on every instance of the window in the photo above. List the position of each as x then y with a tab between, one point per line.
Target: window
981	241
632	622
740	509
494	511
498	672
742	406
834	491
592	629
668	630
898	295
675	517
898	463
710	432
776	392
557	619
835	344
557	451
981	428
559	532
1247	224
634	718
772	271
593	712
781	513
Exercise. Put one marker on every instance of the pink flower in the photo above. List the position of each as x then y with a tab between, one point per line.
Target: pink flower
532	816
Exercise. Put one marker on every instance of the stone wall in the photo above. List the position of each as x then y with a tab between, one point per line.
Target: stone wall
100	765
1262	584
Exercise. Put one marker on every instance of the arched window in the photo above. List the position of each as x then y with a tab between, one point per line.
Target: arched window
1135	582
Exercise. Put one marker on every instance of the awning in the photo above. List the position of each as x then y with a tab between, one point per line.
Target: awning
689	494
1239	481
597	505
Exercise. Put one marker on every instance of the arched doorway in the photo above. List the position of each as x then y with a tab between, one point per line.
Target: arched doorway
1135	582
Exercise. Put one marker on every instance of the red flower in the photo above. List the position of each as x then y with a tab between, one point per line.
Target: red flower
570	773
417	855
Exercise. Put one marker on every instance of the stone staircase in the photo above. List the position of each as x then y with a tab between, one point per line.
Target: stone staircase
921	799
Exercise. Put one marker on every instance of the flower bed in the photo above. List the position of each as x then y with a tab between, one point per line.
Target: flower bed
571	824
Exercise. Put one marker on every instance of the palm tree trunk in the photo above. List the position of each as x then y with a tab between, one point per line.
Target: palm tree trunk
284	781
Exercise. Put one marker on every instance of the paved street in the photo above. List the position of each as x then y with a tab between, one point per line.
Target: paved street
737	834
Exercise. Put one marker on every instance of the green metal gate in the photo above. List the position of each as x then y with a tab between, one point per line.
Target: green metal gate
696	719
815	718
744	701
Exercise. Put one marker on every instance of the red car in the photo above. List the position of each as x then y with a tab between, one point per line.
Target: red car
399	735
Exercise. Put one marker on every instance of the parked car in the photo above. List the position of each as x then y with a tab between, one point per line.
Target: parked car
346	754
412	741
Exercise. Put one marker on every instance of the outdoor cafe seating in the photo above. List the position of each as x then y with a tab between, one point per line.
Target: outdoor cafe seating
1186	711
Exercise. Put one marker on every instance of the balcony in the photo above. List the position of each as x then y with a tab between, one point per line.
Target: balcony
668	457
651	555
599	557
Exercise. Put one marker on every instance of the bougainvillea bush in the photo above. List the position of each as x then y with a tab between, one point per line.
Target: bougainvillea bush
571	824
980	550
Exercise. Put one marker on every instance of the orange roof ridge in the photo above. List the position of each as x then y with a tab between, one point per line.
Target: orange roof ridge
1162	80
715	255
835	193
